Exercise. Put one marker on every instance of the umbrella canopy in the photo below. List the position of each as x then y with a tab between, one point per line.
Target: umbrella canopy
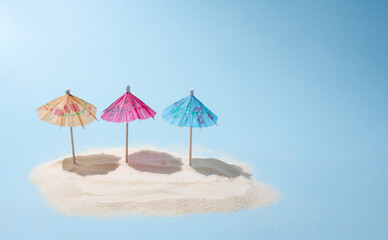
69	111
189	112
127	108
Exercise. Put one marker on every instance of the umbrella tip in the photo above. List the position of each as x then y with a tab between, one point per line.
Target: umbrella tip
68	91
192	92
128	88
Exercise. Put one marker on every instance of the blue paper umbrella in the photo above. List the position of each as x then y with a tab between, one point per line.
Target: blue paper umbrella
189	112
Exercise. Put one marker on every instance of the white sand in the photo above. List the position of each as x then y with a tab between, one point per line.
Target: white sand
154	183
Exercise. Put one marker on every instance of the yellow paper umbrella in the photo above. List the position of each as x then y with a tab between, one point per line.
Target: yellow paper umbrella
69	111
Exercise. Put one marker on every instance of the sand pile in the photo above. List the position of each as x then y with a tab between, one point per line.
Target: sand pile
153	183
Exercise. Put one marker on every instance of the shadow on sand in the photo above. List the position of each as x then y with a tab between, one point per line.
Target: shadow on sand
212	166
164	163
154	162
96	164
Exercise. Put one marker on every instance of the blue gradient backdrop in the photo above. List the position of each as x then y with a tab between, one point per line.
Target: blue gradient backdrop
300	88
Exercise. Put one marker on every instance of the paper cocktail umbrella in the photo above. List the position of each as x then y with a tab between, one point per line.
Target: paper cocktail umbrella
126	109
69	111
189	112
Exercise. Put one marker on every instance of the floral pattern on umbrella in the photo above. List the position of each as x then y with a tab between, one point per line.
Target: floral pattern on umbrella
189	112
69	111
127	108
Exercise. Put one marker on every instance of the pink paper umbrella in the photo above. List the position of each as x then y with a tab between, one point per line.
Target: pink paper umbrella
127	109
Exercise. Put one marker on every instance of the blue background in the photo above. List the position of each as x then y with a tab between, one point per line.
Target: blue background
300	89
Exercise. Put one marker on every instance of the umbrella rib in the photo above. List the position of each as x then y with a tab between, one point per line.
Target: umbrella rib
113	103
86	108
53	108
128	111
151	114
211	113
55	102
149	111
146	109
77	114
187	108
63	110
121	106
208	111
135	109
213	117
